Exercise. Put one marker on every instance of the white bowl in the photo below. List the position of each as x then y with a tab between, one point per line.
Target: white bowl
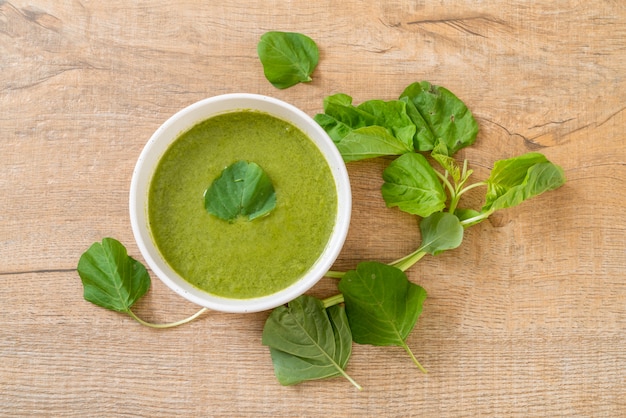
185	120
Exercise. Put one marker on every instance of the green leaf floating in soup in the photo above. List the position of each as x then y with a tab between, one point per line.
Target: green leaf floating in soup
243	189
242	259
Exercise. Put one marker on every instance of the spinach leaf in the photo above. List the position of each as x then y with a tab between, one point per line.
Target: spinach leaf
339	106
370	142
445	115
335	129
114	280
382	305
412	185
440	231
111	278
308	341
288	58
374	128
517	179
391	115
242	189
424	138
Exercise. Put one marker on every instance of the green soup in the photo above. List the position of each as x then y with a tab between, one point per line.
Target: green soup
242	259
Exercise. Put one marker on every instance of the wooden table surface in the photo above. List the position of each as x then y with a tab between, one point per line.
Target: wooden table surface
526	318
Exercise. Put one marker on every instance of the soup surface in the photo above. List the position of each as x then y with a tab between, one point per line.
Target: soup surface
242	259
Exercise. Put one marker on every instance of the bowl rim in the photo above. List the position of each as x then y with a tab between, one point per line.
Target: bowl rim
184	120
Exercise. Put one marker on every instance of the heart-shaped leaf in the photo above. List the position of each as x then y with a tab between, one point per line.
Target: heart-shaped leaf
111	278
382	305
288	58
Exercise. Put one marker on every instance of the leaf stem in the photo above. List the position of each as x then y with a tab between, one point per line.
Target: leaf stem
446	182
406	262
167	325
408	350
469	221
471	186
333	300
334	274
351	380
454	202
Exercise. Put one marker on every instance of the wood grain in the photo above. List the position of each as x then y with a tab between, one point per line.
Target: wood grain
527	318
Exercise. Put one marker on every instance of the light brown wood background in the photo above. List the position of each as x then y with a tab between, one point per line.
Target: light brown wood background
527	318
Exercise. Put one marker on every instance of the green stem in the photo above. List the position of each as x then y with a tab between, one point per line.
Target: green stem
408	350
446	182
168	325
471	186
460	191
334	274
454	202
476	218
406	262
465	175
333	300
351	380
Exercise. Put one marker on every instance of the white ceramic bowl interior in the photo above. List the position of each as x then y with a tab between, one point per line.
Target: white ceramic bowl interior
185	120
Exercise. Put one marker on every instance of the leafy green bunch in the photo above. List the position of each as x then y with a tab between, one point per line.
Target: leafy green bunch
378	305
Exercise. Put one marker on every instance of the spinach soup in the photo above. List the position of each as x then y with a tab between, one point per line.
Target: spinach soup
242	258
